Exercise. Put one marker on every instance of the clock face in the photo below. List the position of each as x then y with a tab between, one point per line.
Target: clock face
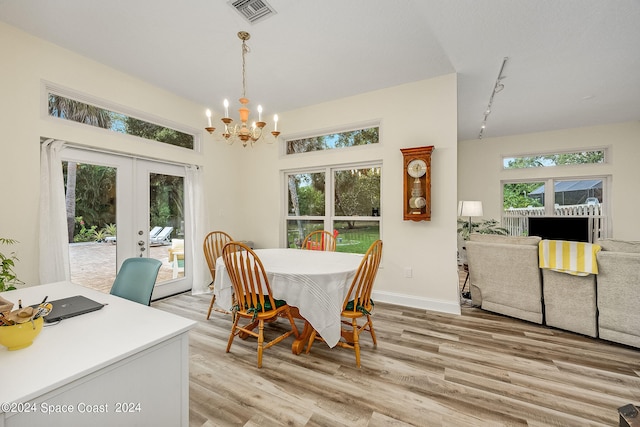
417	168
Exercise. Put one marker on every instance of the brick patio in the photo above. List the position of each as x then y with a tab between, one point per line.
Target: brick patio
93	264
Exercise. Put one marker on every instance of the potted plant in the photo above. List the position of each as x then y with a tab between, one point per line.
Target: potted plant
487	226
8	278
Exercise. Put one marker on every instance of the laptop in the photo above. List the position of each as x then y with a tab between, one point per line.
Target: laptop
71	307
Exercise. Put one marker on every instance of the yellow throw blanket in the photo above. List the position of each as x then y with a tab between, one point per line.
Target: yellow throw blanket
575	258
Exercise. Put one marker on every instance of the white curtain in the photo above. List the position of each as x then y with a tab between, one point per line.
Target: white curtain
197	223
54	240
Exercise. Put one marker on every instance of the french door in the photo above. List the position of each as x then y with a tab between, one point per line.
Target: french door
125	207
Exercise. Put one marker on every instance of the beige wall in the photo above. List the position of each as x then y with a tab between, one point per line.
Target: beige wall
28	61
480	168
411	115
243	186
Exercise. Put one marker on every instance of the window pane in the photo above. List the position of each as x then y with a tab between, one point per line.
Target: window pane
356	236
166	209
334	140
91	216
70	109
297	229
520	201
357	192
306	194
578	192
523	195
579	157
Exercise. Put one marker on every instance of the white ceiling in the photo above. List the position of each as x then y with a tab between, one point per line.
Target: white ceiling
571	63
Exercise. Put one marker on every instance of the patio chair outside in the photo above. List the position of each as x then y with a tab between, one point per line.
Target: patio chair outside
154	231
162	238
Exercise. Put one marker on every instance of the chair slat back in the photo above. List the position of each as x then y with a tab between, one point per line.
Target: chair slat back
362	284
320	240
212	247
249	279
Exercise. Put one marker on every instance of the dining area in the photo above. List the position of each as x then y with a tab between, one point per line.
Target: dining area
327	291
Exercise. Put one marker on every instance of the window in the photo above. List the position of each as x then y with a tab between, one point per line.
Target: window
347	204
558	159
89	114
570	197
335	140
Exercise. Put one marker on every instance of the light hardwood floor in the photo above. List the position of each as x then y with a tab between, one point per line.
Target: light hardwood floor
429	369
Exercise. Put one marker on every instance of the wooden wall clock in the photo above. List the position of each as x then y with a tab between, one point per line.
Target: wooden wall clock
416	197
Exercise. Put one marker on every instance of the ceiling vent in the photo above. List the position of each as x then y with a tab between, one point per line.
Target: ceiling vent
253	10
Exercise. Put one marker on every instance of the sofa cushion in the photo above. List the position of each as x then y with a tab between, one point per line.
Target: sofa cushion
613	245
497	238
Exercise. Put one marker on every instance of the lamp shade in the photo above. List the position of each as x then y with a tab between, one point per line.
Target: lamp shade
470	208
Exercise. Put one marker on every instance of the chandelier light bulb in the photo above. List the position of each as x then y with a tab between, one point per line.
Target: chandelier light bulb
208	112
275	122
226	108
259	113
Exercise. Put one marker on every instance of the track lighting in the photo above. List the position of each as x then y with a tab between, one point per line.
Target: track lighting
497	87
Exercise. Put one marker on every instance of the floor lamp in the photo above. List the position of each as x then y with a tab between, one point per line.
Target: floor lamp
470	209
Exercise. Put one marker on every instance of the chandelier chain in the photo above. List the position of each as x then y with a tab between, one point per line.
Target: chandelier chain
245	50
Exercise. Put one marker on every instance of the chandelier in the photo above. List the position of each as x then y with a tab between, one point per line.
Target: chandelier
242	131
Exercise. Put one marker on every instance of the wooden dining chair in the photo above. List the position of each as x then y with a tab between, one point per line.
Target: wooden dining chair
358	303
212	247
320	240
253	297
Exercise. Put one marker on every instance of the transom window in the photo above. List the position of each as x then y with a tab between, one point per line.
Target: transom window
365	136
343	200
557	159
93	115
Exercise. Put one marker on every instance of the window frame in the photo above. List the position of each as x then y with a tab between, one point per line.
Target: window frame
605	151
330	217
332	131
48	88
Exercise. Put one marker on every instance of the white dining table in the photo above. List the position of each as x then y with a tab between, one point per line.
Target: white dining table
314	282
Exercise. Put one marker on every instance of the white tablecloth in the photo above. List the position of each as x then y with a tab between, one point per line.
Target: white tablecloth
315	282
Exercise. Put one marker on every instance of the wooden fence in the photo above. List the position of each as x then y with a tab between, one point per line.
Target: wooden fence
515	220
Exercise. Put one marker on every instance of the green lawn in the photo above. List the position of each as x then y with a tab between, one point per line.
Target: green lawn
354	240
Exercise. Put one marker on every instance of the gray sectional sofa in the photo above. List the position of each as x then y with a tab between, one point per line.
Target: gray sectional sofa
504	275
505	278
618	283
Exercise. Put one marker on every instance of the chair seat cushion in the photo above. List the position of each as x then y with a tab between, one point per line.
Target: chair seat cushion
359	307
250	309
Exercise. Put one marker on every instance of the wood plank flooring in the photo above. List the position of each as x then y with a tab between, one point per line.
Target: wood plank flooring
429	369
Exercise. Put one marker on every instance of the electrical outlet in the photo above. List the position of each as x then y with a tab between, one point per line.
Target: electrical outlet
408	272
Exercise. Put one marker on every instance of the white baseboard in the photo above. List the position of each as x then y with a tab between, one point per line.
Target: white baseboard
417	302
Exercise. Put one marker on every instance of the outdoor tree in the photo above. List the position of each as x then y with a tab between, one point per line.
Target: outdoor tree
155	132
357	192
357	137
516	195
